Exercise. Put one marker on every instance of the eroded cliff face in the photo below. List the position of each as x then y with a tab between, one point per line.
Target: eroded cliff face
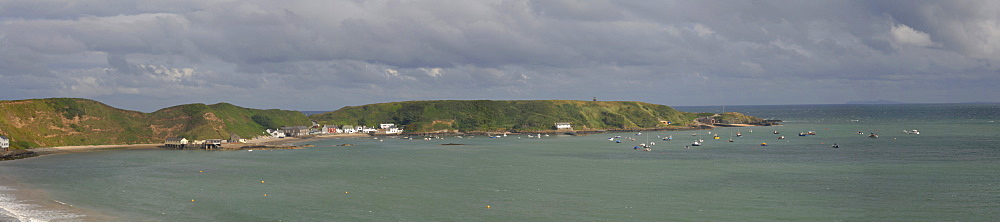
739	118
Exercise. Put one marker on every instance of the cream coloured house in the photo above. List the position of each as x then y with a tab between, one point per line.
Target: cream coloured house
4	143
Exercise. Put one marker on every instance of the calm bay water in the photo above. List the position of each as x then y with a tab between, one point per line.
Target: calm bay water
948	172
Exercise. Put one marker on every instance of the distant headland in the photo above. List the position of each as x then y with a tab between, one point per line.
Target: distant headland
881	101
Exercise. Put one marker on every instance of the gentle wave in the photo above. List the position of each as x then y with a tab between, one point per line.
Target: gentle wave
12	209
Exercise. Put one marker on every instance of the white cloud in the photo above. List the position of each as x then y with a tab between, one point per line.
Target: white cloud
392	72
798	49
432	72
702	30
169	74
902	34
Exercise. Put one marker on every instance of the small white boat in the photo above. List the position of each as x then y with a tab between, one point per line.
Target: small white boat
696	143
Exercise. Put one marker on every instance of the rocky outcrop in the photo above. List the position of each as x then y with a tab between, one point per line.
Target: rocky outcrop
16	154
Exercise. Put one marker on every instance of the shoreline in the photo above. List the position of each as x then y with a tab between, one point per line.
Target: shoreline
289	142
272	142
19	202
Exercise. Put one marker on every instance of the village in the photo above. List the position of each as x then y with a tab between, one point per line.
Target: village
292	131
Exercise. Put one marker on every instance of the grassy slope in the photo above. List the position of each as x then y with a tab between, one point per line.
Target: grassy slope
54	122
487	115
63	121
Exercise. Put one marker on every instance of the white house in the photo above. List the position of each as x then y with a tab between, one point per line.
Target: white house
563	126
364	129
394	130
368	130
276	133
4	143
348	129
387	125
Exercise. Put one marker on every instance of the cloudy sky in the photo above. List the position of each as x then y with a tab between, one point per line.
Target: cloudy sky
323	55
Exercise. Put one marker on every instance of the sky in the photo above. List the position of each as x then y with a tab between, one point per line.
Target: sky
323	55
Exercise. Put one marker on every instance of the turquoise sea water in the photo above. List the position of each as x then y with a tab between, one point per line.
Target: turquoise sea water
947	173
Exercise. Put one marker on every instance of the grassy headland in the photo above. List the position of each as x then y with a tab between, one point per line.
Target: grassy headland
69	122
518	115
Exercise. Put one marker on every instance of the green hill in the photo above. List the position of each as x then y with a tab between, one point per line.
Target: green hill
66	121
487	115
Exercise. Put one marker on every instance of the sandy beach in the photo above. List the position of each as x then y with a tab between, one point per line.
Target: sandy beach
287	141
71	149
295	140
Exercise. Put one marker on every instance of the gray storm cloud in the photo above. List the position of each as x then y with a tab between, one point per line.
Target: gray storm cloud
352	52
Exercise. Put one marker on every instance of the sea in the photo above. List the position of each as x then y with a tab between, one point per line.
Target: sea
948	172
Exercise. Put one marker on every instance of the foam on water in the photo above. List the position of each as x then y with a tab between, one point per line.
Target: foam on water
13	209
